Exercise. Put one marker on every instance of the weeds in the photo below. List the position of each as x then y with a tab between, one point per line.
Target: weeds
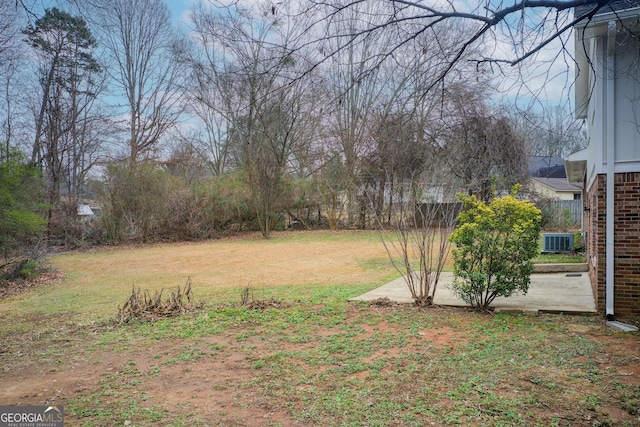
142	305
248	301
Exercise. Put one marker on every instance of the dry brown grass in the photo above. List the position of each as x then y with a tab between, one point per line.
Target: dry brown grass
287	259
98	281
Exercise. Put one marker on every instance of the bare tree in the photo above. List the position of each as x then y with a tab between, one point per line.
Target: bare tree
390	173
253	105
142	53
210	137
9	30
11	77
417	242
478	146
552	132
239	72
8	110
498	35
354	90
367	89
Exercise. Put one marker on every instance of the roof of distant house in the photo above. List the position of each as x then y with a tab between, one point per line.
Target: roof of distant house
84	210
548	167
559	184
612	6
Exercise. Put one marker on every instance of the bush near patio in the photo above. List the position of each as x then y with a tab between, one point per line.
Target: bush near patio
495	246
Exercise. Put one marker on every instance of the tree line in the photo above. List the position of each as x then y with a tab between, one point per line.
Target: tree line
247	116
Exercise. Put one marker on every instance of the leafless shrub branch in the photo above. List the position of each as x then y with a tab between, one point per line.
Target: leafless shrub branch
141	304
248	301
417	243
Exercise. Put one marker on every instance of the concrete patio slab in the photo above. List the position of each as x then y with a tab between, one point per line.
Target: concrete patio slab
548	292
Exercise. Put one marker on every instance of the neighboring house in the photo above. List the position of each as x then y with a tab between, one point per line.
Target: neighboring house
84	211
88	211
563	205
607	91
437	193
546	167
557	188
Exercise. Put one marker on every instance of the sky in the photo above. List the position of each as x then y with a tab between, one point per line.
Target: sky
179	9
544	84
549	78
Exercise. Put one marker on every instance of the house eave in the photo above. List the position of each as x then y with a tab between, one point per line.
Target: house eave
575	166
626	19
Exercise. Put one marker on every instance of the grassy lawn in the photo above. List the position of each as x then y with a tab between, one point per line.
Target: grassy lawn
560	259
313	359
98	281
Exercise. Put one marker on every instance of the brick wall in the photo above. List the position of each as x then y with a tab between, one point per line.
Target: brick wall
594	225
626	244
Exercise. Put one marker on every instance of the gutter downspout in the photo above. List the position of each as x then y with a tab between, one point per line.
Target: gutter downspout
610	171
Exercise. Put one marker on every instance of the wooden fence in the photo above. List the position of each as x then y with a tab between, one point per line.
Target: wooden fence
557	214
560	214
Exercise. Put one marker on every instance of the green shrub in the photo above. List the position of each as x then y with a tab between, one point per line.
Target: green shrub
137	202
578	242
225	201
21	204
495	245
19	269
28	268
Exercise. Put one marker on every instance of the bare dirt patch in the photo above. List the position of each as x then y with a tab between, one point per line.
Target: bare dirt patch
217	380
443	337
213	386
